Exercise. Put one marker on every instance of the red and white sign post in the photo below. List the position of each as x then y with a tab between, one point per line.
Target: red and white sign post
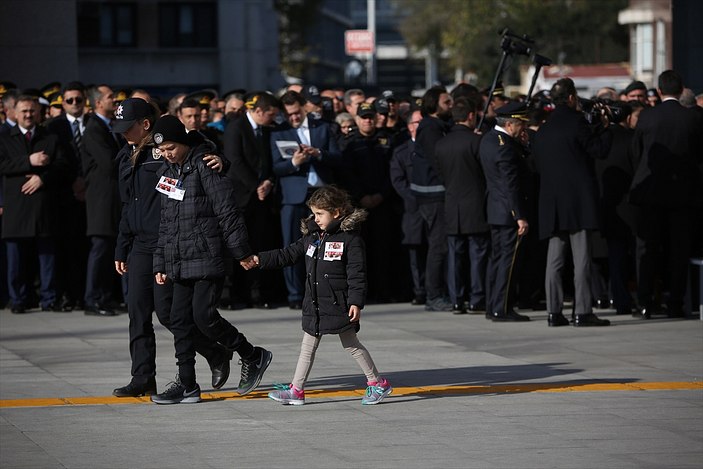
359	41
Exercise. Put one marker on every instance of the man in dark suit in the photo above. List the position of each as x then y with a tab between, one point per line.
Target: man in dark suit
464	207
247	147
501	159
414	237
300	172
615	177
71	242
101	200
668	190
428	188
9	99
565	148
33	170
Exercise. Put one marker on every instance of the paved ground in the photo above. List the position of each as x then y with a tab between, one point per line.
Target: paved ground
469	393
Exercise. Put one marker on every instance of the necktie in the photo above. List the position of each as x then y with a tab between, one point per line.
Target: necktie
28	136
77	138
258	133
313	178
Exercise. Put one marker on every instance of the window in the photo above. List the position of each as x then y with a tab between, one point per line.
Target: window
188	24
645	48
107	24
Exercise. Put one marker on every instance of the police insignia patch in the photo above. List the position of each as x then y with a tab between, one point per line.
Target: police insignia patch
155	153
500	140
118	112
158	138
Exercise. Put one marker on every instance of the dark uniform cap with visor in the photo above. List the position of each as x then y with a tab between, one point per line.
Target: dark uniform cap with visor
513	110
311	94
366	110
129	112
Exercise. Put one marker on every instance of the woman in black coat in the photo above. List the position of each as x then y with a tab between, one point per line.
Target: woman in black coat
139	162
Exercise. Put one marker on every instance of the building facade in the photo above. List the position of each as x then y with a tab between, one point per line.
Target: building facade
161	46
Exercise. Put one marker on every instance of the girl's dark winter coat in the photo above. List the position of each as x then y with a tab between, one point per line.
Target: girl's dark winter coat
197	233
331	286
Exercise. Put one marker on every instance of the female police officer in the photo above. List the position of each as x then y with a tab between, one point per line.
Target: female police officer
139	162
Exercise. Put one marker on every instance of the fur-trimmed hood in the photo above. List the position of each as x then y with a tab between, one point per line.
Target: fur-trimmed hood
351	222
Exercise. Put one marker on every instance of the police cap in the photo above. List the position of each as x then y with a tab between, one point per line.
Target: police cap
513	110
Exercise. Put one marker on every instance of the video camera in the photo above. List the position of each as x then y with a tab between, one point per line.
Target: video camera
511	43
615	111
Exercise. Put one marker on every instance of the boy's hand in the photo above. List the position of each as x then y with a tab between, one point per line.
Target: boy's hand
160	278
354	313
250	262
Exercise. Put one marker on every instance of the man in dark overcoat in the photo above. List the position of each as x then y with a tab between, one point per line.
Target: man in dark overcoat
247	146
33	169
565	148
102	201
412	225
71	241
464	207
668	190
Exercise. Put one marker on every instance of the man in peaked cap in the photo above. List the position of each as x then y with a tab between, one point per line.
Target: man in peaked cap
203	98
50	89
500	152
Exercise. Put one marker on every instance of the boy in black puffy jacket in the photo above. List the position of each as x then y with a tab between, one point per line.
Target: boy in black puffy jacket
200	225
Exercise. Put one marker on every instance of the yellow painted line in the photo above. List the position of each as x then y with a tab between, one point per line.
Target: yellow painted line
397	391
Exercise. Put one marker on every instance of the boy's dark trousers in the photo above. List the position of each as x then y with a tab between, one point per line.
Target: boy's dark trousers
145	297
195	308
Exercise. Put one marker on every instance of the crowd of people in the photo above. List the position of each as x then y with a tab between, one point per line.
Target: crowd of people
475	203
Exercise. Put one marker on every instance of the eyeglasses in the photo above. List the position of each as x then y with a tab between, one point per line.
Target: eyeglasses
71	100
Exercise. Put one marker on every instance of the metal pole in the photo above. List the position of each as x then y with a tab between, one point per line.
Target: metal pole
371	26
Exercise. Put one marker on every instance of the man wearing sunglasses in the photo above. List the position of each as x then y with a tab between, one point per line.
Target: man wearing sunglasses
71	250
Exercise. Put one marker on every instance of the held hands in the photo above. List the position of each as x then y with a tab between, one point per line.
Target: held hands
250	262
40	158
160	278
33	184
264	189
213	162
522	227
121	267
354	313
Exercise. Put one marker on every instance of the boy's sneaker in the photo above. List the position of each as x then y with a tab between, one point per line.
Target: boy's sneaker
177	394
253	370
287	395
376	392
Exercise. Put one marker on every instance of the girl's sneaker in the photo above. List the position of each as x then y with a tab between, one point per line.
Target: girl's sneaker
287	395
376	392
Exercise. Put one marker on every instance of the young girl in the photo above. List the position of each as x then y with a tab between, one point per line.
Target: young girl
335	290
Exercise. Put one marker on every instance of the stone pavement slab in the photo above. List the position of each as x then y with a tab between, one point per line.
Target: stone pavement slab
531	410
